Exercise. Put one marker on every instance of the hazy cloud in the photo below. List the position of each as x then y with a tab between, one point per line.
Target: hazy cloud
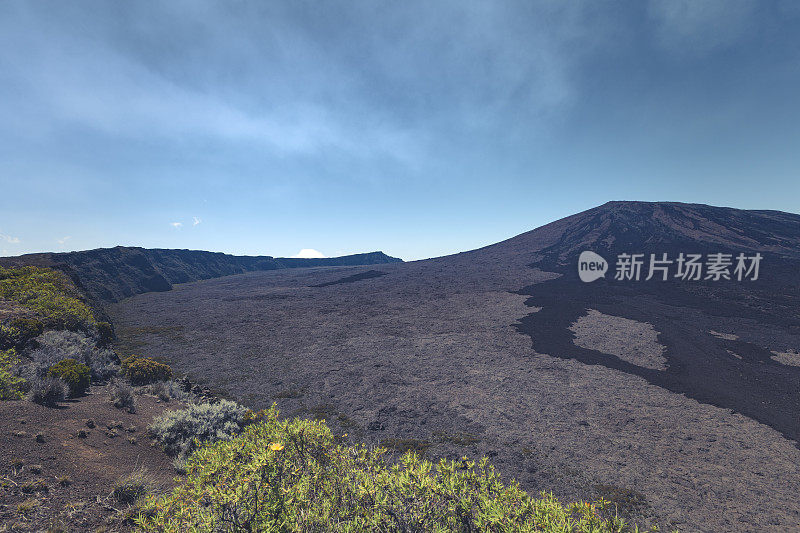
196	221
177	225
9	239
285	77
62	241
108	84
308	253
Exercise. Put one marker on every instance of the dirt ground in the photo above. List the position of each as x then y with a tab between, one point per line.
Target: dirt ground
63	479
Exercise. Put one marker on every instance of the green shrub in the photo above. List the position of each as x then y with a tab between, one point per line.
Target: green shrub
105	334
47	391
76	375
18	331
49	294
126	362
143	370
292	476
179	431
10	385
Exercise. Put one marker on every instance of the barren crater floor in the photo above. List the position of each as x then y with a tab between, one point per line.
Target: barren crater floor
499	352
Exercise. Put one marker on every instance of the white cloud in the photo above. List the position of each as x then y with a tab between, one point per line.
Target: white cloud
280	83
196	221
158	106
9	239
308	253
62	241
177	225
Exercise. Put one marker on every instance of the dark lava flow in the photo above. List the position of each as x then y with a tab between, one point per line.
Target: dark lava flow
369	274
699	365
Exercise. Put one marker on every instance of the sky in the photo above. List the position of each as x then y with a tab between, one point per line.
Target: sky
416	128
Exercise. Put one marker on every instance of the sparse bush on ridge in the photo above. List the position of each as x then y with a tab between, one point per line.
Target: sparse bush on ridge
54	346
47	391
180	431
49	294
143	370
121	395
10	385
76	375
291	475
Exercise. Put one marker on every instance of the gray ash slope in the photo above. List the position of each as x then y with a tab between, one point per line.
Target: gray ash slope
490	345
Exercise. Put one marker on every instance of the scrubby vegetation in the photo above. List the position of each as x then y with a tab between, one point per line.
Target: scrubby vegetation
28	507
10	385
121	395
128	489
49	294
281	475
49	338
143	370
47	391
76	375
18	331
55	346
168	390
179	432
105	334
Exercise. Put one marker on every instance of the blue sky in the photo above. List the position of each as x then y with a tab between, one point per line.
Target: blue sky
416	128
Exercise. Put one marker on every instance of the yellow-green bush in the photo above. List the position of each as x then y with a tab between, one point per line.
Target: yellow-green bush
143	370
293	476
76	375
10	385
48	293
105	334
16	332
